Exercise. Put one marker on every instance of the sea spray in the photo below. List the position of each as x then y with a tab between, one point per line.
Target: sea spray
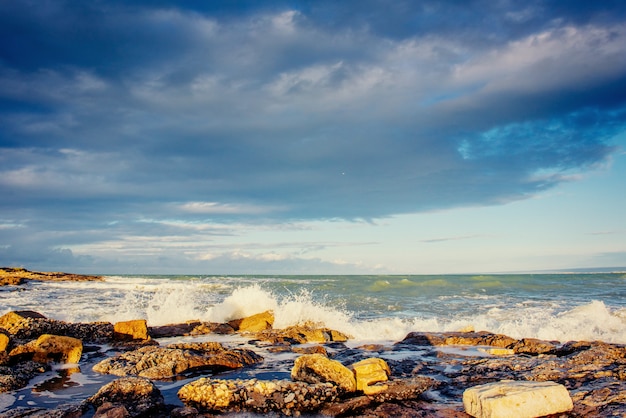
368	308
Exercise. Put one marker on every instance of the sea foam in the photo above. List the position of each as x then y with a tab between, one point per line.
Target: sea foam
364	315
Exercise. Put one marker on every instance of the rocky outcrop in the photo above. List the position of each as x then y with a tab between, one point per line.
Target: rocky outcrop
24	326
287	397
301	334
515	399
524	346
370	371
131	330
397	390
138	397
18	275
317	368
17	376
254	323
49	348
166	362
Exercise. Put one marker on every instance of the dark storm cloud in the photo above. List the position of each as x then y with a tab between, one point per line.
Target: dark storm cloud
112	113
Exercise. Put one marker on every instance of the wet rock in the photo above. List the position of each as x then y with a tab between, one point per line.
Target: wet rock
516	399
533	346
314	349
66	411
254	323
17	376
301	334
184	412
140	397
108	410
214	395
458	338
370	371
397	390
24	326
130	330
48	348
317	368
166	362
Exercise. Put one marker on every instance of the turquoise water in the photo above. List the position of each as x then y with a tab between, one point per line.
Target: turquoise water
374	308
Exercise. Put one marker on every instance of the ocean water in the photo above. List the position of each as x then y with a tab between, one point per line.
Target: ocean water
559	307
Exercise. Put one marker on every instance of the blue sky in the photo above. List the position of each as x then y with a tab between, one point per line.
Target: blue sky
304	137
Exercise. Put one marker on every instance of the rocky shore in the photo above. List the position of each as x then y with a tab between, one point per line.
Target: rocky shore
321	374
17	275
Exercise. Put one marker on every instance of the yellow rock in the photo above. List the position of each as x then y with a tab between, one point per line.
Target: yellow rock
370	371
4	342
254	323
131	330
497	351
51	348
516	399
317	368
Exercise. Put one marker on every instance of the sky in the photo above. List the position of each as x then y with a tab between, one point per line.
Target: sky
312	137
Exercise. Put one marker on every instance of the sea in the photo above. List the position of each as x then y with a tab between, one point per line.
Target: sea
559	307
369	308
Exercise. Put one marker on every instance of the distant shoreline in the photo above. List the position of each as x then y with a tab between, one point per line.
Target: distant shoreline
18	275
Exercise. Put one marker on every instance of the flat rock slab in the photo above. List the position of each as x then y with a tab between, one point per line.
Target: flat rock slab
516	399
166	362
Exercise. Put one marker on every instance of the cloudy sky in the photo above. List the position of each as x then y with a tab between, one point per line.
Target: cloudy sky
368	136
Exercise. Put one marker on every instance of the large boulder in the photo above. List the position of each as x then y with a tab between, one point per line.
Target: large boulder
301	334
259	396
516	399
370	371
166	362
317	368
46	348
131	330
140	397
254	323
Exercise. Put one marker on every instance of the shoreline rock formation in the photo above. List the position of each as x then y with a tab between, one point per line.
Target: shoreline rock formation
13	276
425	374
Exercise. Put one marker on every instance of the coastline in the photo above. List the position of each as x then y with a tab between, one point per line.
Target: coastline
250	360
18	275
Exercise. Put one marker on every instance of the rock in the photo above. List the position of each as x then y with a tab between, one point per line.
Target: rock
108	410
516	399
370	371
17	275
166	362
301	334
17	376
400	390
48	348
498	351
63	411
27	325
4	342
184	412
458	338
131	330
317	368
254	323
533	346
259	396
140	397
